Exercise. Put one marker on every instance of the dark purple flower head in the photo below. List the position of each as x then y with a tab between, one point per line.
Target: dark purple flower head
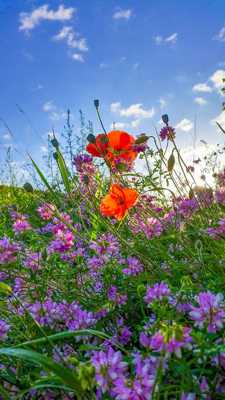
167	132
82	161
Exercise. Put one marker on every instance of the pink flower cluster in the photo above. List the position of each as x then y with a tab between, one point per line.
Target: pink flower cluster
46	211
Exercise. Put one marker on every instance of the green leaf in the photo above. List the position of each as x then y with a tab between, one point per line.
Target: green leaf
68	335
44	180
4	288
65	174
4	393
59	370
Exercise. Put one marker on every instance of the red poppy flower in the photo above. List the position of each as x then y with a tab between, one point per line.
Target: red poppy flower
118	201
114	146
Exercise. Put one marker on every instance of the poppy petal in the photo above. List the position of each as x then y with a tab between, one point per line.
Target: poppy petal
117	192
131	196
92	149
119	140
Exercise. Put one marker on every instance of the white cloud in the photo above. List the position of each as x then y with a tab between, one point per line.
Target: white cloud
44	149
49	106
221	35
29	21
163	103
134	110
115	107
72	39
103	65
220	119
202	87
135	123
184	125
158	39
123	14
119	125
136	65
78	57
217	79
7	136
171	39
54	113
200	100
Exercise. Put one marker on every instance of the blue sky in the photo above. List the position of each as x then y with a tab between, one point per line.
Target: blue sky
140	58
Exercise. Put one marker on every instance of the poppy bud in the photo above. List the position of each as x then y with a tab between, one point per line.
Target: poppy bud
91	138
96	103
171	162
141	139
55	143
165	119
28	187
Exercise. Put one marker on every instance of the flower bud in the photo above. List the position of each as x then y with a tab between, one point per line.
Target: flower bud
55	143
141	139
91	138
165	118
28	187
96	103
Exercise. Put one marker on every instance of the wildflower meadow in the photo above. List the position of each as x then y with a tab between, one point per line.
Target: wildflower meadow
112	281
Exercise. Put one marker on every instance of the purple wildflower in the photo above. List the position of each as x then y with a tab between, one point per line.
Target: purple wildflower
21	224
157	292
219	231
4	328
63	242
140	387
220	196
167	132
134	267
210	313
8	251
109	366
46	211
170	339
116	297
187	207
32	261
106	246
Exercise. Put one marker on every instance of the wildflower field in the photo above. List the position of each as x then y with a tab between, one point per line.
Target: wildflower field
112	281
